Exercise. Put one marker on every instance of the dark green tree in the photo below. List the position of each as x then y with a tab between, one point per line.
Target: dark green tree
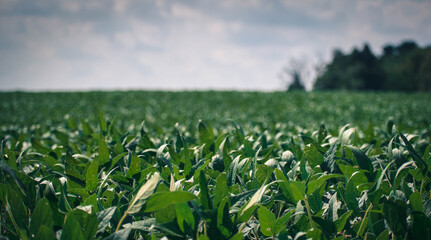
296	85
406	67
293	75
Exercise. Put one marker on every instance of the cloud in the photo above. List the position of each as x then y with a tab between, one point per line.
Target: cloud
226	44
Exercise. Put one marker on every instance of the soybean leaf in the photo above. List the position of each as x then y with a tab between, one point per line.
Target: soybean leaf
103	152
42	216
135	165
293	190
205	133
204	195
350	197
224	222
92	175
395	213
144	192
166	214
328	227
281	221
17	180
416	202
120	235
312	156
315	184
162	200
384	235
363	161
341	221
421	227
231	176
221	189
104	217
45	233
138	201
418	160
266	220
248	209
71	228
185	218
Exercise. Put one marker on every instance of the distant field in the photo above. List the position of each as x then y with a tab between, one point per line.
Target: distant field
215	165
164	109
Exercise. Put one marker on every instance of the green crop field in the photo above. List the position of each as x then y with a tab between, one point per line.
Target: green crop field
215	165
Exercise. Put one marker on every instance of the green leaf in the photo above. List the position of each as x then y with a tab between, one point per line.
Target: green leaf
17	180
166	214
221	189
418	160
238	236
17	211
421	227
376	186
231	175
42	216
416	202
45	233
138	201
401	172
314	233
92	175
312	156
64	205
104	217
363	161
90	223
162	200
185	218
102	122
144	192
224	222
135	166
203	237
315	184
280	224
384	235
143	225
116	159
395	213
341	221
350	197
71	228
205	133
123	234
293	190
147	143
103	152
204	195
328	227
248	209
266	220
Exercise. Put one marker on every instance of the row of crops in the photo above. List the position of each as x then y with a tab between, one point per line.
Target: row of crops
146	168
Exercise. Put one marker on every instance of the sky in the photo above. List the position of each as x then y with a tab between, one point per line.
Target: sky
51	45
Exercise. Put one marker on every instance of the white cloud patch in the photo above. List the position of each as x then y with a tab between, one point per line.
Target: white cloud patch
226	44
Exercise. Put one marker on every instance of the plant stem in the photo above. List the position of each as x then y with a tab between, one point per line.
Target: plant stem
307	206
422	185
243	225
363	220
120	222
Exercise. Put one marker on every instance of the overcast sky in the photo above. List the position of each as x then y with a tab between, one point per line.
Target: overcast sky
177	45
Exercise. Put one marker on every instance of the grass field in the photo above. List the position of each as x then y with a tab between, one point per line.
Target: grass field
215	165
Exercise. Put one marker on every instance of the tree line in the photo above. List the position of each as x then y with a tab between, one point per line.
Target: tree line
406	67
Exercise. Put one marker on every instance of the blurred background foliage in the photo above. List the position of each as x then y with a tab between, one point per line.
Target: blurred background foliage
406	67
